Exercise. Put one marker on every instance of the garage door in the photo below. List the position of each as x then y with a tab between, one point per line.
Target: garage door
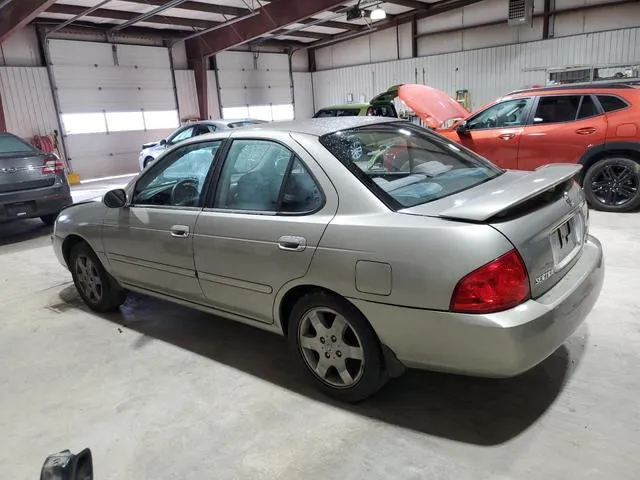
112	99
256	85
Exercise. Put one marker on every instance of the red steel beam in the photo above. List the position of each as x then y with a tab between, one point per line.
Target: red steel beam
3	122
270	17
19	13
200	70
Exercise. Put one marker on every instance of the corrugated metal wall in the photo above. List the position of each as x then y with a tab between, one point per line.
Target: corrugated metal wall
487	73
212	97
27	101
187	94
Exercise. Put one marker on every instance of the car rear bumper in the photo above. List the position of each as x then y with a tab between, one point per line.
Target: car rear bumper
34	203
502	344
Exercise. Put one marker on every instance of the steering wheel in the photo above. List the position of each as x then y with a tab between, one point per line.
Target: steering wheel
185	193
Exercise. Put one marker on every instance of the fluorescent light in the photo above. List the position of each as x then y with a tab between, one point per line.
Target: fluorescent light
378	14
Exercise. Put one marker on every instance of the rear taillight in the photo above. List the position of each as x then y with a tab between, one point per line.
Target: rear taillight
497	286
52	165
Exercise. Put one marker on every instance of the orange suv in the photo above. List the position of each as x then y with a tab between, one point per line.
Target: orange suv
596	125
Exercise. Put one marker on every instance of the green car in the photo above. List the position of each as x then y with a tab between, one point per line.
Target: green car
379	106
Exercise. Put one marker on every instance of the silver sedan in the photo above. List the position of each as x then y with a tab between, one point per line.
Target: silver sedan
370	243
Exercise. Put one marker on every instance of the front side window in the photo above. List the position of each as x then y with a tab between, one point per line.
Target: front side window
179	178
265	176
557	109
510	113
406	166
182	135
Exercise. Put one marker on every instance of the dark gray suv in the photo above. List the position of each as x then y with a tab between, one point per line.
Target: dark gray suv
32	183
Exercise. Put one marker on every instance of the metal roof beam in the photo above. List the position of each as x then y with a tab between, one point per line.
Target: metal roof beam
269	18
122	15
199	7
147	15
415	4
78	16
18	13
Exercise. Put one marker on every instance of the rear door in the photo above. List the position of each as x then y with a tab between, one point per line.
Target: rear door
495	132
261	228
562	128
22	166
150	242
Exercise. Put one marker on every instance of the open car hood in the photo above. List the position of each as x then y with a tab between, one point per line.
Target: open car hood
433	106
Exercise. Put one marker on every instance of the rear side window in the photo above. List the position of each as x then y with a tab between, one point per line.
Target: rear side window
611	104
588	108
556	109
10	144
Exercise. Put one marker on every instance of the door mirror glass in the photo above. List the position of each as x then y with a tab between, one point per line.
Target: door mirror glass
163	142
67	466
115	198
462	129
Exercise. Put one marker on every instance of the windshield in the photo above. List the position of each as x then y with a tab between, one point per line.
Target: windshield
10	144
404	165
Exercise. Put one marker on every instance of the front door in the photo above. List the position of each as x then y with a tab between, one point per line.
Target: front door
149	244
495	132
263	225
562	129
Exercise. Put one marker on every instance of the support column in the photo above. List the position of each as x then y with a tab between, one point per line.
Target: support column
199	66
3	123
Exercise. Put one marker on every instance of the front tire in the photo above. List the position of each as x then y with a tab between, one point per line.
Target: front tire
613	185
336	347
97	288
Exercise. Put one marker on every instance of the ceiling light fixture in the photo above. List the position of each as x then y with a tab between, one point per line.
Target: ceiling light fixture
378	14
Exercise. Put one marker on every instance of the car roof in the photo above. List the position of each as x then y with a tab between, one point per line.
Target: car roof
321	126
346	105
575	88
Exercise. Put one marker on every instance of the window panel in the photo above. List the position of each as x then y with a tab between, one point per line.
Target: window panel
556	109
76	123
300	193
282	112
252	176
124	121
610	103
156	120
181	135
179	178
261	112
511	113
588	108
235	112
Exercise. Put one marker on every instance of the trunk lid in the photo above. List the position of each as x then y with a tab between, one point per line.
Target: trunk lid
23	172
542	213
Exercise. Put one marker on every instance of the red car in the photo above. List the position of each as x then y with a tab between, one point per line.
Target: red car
596	125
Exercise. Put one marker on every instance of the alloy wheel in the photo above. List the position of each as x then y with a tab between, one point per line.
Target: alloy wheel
615	184
331	347
88	278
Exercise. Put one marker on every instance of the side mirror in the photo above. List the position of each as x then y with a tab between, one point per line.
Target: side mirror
163	142
462	129
115	198
67	466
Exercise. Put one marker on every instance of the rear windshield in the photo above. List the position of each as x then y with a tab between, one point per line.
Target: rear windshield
339	112
10	144
405	165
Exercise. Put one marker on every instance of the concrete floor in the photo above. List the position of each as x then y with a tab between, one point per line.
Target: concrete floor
163	392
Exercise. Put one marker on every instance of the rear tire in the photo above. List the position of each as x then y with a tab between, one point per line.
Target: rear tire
613	184
98	289
336	347
49	219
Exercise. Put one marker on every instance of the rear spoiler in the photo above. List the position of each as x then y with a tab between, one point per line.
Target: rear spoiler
519	191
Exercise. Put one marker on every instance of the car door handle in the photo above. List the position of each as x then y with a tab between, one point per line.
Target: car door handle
292	244
586	131
180	231
506	136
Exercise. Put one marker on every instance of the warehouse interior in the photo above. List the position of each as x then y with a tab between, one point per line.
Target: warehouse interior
159	390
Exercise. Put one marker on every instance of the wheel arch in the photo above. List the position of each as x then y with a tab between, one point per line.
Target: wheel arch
604	150
393	366
71	241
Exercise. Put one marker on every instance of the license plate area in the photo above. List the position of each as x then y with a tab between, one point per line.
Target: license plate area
20	209
567	241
